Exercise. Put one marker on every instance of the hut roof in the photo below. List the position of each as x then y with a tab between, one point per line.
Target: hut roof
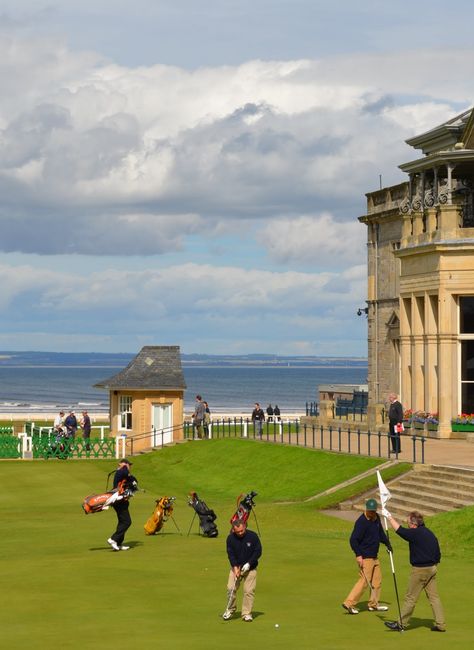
154	368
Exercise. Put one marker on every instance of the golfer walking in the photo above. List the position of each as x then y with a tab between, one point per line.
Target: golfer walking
122	477
425	555
243	550
365	541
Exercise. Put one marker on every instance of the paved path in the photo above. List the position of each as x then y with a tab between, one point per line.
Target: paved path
457	453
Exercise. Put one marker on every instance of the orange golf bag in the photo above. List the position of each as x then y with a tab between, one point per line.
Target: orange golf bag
98	502
163	510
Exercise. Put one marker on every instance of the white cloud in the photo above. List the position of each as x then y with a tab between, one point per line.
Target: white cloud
84	143
318	240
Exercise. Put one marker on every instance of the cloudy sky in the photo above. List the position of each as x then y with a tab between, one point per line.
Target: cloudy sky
191	173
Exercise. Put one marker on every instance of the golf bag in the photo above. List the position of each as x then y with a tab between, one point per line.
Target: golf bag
163	510
244	507
99	502
205	514
60	446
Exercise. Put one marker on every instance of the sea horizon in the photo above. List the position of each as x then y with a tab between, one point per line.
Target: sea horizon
228	389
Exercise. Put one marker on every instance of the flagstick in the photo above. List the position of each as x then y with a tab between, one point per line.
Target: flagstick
394	577
384	497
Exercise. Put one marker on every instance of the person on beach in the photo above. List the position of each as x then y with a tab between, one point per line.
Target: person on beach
425	555
365	541
243	550
395	422
124	521
258	418
198	416
86	429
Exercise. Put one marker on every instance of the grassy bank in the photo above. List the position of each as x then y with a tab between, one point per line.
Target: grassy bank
64	587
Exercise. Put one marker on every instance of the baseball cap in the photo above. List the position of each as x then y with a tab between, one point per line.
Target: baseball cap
125	460
371	504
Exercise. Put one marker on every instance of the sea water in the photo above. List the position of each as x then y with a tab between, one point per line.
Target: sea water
226	389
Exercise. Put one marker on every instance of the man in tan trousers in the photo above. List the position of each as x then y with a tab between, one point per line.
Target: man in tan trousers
243	550
365	541
425	556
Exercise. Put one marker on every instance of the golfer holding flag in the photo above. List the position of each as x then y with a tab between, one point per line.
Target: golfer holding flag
425	555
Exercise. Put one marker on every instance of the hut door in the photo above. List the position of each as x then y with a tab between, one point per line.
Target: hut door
162	422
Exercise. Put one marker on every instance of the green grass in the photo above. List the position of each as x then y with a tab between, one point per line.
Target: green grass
64	588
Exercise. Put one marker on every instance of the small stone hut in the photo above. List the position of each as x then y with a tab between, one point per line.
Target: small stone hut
146	397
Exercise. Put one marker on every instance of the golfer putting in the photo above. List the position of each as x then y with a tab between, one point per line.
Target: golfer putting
243	550
365	541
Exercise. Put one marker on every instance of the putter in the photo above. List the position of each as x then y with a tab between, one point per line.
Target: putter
372	592
231	594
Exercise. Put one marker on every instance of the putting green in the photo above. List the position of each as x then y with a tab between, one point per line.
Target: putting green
64	588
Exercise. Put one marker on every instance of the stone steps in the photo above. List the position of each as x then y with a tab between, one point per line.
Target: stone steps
428	489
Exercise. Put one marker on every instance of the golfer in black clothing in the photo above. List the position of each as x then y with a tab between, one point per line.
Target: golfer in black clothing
121	477
243	550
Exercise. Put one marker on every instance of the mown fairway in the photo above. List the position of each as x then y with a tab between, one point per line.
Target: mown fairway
64	588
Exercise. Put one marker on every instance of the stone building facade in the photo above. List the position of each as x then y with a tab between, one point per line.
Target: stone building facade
420	303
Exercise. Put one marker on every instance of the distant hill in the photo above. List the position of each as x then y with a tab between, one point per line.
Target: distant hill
120	360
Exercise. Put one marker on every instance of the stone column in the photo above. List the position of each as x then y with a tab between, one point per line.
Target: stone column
326	410
431	220
405	354
448	220
447	363
375	418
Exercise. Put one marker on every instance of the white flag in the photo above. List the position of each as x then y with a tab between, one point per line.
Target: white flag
383	490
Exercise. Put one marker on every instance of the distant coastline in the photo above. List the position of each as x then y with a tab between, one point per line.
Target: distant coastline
34	359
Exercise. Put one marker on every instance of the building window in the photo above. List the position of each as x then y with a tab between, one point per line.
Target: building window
125	412
466	315
466	330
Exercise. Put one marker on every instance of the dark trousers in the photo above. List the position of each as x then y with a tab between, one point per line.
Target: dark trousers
124	520
394	437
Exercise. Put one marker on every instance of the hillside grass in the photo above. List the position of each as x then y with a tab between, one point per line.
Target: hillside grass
64	588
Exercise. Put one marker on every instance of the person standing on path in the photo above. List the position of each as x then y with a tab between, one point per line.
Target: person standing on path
86	429
365	541
71	425
270	413
258	418
425	555
198	416
207	419
395	421
276	413
243	550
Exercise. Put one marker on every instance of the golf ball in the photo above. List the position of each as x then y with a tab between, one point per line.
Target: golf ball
276	625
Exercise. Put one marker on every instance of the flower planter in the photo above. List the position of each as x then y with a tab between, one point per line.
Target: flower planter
418	425
462	427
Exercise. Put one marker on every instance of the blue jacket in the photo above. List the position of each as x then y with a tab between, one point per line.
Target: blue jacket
366	537
241	550
424	546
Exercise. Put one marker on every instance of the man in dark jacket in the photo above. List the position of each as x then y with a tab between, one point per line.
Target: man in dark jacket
243	550
425	555
365	541
395	420
123	481
258	418
71	424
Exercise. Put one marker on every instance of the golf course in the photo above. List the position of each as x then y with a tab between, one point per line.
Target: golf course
63	586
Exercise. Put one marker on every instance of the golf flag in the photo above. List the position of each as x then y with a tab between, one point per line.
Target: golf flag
384	491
